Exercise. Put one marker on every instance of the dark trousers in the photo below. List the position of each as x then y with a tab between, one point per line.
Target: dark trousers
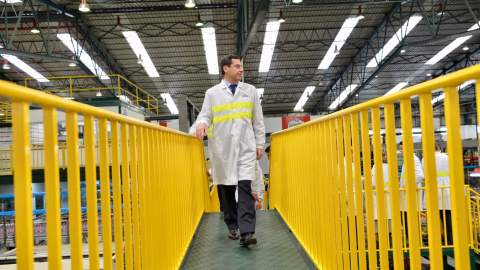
219	192
243	217
447	220
405	223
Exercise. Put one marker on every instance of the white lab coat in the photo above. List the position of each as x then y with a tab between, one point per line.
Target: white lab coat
386	185
192	130
238	130
443	179
354	200
419	176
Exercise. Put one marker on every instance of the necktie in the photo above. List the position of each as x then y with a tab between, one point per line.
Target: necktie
232	88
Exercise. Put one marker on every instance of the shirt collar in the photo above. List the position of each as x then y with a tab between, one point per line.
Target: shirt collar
228	84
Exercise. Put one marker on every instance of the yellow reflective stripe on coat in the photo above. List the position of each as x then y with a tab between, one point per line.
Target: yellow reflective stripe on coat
210	131
232	116
443	174
232	106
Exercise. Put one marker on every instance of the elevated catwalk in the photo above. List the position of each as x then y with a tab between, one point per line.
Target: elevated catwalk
277	248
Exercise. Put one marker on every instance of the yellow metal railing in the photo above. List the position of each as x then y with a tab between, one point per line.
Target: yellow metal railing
474	202
37	155
316	169
75	87
158	179
5	112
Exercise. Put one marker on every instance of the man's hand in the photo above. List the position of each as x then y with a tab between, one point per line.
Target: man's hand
258	205
201	131
259	152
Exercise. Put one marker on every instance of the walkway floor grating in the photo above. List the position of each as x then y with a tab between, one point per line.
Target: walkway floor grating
277	248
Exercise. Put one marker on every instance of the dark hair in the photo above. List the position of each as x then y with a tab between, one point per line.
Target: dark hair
227	61
267	150
400	143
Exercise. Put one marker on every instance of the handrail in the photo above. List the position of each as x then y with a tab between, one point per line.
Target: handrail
157	174
316	159
116	81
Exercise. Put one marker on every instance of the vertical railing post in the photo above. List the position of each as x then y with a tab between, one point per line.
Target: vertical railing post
91	182
52	188
22	182
454	147
105	194
74	196
117	197
430	171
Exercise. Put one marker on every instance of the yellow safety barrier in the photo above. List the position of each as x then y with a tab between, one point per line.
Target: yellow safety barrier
5	112
38	156
474	202
158	178
85	87
316	180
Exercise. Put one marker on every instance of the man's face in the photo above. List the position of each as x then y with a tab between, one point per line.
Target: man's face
268	155
234	72
401	148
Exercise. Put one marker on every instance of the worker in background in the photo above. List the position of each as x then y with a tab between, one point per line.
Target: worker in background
419	177
443	183
233	109
267	151
386	185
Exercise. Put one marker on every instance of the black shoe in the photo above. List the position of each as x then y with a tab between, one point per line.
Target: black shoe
248	239
233	234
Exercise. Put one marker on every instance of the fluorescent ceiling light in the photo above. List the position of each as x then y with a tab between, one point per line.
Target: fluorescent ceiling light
138	48
303	99
269	41
24	67
340	39
72	45
210	46
395	40
260	92
397	88
170	104
13	1
463	85
343	96
450	47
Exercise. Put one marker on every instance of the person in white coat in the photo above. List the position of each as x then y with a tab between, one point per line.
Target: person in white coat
233	109
386	185
443	181
419	177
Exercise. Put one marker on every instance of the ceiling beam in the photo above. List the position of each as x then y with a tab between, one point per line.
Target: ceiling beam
158	8
358	58
37	56
62	9
260	14
397	51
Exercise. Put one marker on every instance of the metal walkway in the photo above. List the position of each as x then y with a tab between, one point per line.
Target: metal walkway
277	248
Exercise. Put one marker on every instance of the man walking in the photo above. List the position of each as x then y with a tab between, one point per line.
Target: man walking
233	109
